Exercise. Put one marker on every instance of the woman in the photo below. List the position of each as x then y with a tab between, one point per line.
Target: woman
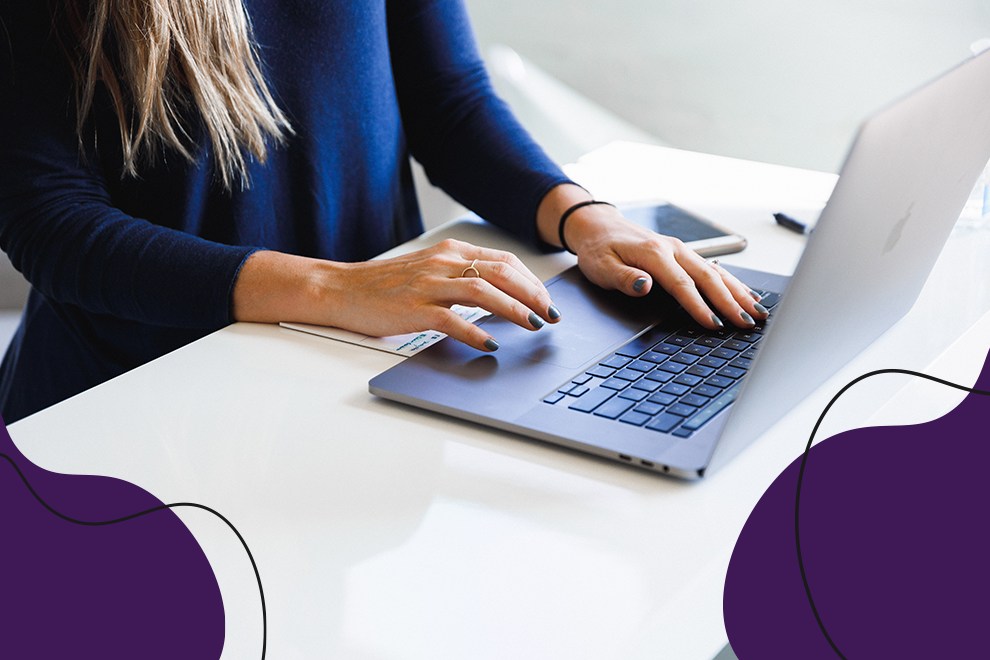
170	167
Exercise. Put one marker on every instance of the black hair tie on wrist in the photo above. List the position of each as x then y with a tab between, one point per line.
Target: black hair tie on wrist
567	214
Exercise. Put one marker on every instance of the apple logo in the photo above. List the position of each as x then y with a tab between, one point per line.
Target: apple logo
897	230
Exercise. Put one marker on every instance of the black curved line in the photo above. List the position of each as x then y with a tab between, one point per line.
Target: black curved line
175	505
804	462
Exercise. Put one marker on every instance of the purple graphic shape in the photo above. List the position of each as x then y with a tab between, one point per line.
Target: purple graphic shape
894	539
137	589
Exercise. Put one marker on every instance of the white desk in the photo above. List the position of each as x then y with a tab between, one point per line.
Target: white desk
386	532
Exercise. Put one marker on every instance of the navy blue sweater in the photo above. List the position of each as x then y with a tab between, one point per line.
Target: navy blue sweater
124	270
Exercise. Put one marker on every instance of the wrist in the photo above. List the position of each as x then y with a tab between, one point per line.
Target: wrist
553	205
273	286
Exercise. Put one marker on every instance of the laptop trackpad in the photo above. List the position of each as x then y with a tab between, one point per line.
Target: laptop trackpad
591	321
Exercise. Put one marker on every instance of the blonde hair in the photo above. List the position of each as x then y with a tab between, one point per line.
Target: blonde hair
159	59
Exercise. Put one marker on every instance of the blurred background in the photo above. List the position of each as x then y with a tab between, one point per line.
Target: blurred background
782	81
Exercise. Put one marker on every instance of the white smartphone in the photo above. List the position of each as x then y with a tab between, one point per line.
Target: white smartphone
700	234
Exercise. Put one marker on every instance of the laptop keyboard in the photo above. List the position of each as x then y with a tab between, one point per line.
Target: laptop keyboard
670	381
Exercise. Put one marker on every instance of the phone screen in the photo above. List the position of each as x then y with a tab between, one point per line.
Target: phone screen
670	220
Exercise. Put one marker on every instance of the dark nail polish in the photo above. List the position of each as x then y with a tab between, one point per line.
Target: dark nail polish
718	322
491	344
639	284
553	312
535	320
747	319
757	297
761	309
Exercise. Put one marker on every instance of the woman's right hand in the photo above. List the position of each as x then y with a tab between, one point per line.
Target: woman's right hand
409	293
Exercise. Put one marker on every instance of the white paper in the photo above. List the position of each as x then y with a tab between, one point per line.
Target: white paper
404	345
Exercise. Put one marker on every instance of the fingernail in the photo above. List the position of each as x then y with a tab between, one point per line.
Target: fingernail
747	319
553	312
757	297
491	344
535	320
718	322
639	284
760	309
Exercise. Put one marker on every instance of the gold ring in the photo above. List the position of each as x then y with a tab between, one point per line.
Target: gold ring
464	273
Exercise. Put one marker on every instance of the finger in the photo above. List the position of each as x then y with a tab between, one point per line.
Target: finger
445	320
710	282
676	281
470	252
478	292
746	297
509	274
609	271
508	279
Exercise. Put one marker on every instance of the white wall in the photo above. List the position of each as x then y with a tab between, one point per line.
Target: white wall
782	81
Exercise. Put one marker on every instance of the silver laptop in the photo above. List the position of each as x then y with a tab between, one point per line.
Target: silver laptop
634	381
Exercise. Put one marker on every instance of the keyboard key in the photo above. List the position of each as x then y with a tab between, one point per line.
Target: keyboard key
699	370
635	418
641	365
682	433
741	363
600	371
615	384
666	349
553	398
714	362
659	376
716	406
770	299
684	358
663	398
719	381
654	357
613	408
695	349
681	410
629	374
710	342
664	423
749	337
688	379
674	388
646	385
694	400
732	372
633	395
672	367
616	361
648	408
578	390
581	380
706	390
725	353
691	332
592	399
566	389
678	340
750	354
736	345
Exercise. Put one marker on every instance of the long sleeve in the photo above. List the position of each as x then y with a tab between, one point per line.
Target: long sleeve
465	136
58	223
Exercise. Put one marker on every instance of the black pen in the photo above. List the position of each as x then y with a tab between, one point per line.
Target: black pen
787	222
